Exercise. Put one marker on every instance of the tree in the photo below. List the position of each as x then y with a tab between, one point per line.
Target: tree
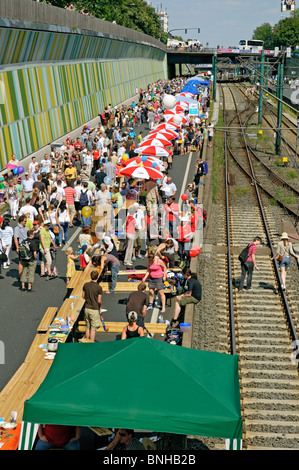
134	14
285	33
265	33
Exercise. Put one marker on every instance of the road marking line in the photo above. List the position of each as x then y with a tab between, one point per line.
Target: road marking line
71	239
185	179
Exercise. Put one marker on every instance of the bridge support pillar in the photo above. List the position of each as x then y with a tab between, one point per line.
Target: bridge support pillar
214	73
262	70
171	71
279	95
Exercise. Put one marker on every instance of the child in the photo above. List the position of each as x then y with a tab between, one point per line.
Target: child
84	257
71	269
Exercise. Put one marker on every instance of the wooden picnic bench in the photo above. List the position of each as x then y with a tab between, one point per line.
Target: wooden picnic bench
47	319
117	327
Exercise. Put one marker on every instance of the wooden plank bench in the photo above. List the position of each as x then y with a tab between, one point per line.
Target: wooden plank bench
126	287
128	272
47	319
74	279
117	327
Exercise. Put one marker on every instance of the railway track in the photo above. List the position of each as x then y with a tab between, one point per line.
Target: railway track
270	117
261	321
269	181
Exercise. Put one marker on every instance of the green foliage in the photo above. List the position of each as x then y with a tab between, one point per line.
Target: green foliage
134	14
284	33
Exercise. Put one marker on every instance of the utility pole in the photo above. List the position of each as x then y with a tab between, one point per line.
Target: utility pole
214	73
279	95
262	71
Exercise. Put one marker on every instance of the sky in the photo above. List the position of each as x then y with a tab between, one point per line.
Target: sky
222	22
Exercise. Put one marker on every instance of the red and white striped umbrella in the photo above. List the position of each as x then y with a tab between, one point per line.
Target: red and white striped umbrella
169	112
184	120
154	151
164	126
141	172
163	134
156	142
148	161
179	109
185	93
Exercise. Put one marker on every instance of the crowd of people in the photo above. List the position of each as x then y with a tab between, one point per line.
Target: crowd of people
54	194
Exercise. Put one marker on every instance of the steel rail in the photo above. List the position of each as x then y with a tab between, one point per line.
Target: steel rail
287	309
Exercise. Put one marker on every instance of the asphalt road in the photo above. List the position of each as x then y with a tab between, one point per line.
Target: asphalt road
21	312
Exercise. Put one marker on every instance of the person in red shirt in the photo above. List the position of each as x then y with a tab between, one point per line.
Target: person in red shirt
249	265
96	159
131	227
172	213
70	193
52	435
185	235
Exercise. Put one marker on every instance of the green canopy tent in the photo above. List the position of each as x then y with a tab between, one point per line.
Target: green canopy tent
137	384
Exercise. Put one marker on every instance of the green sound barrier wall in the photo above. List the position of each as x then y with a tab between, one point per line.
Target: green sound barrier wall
41	102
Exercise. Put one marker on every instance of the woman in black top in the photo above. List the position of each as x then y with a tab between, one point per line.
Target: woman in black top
132	330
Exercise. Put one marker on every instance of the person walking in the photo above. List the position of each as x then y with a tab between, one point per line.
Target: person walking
249	265
29	262
6	234
70	268
45	242
12	198
130	228
62	220
20	234
283	251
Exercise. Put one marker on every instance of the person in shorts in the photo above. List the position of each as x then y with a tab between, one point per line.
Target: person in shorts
92	294
191	294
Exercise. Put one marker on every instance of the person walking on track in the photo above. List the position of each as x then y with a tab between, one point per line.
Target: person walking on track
249	264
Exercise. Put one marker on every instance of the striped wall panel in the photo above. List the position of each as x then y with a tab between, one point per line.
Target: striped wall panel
42	103
25	46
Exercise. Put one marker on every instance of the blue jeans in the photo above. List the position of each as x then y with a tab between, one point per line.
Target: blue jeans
64	229
41	445
86	221
114	273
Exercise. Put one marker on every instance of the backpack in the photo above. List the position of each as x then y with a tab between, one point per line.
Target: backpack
205	168
25	252
55	202
84	199
243	256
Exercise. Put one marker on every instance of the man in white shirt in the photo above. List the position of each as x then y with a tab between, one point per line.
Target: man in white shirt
103	196
88	160
46	164
27	185
32	166
28	209
168	188
140	233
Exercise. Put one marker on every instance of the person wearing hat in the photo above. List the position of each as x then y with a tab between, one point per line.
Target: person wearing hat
283	251
132	330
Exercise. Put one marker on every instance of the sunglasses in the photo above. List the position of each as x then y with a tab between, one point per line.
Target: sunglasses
122	434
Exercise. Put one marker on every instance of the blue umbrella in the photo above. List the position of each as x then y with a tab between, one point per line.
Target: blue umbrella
186	99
